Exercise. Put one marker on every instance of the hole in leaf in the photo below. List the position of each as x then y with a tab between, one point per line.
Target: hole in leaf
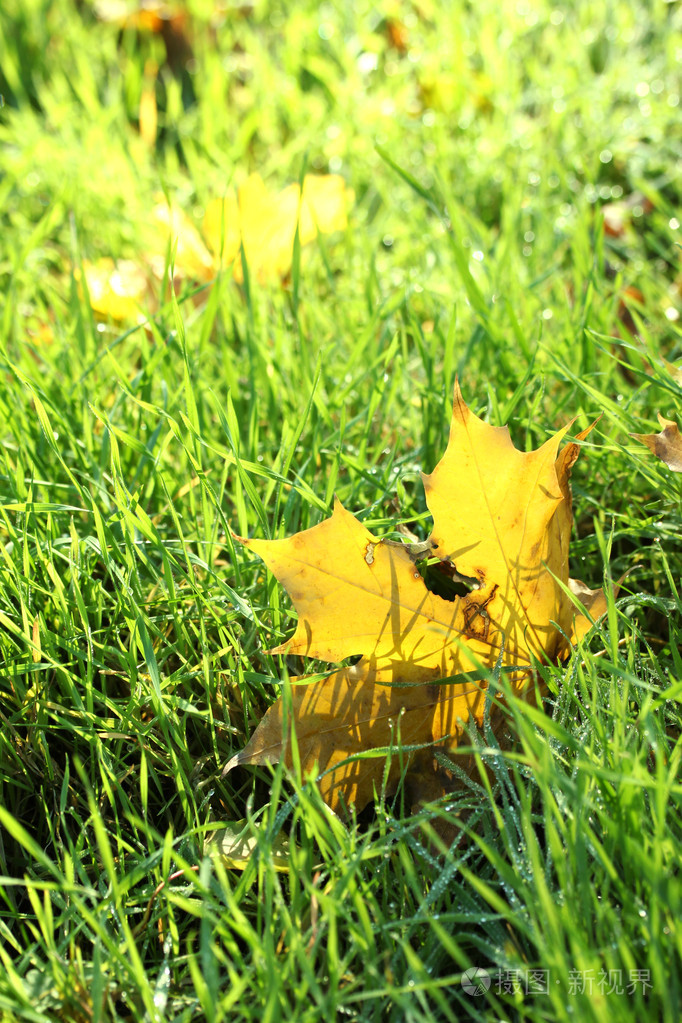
443	579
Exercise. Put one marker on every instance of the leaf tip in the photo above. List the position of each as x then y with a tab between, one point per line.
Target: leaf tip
231	763
588	430
665	423
460	410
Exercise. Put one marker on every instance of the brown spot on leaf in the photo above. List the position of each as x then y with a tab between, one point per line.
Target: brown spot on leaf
476	617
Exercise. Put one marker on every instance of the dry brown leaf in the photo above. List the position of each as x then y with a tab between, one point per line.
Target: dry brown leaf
170	21
594	602
631	298
666	445
397	34
501	517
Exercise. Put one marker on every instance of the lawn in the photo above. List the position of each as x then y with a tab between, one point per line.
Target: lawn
509	214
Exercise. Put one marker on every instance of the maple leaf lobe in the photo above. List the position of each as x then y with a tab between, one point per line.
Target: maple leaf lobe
503	517
666	445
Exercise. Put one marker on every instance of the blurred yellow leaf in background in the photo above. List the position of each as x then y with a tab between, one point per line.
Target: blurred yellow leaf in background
266	224
117	290
262	222
192	258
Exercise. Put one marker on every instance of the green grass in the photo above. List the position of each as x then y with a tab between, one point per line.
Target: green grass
133	631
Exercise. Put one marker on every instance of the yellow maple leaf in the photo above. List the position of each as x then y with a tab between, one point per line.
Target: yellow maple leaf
116	289
266	223
502	519
192	258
